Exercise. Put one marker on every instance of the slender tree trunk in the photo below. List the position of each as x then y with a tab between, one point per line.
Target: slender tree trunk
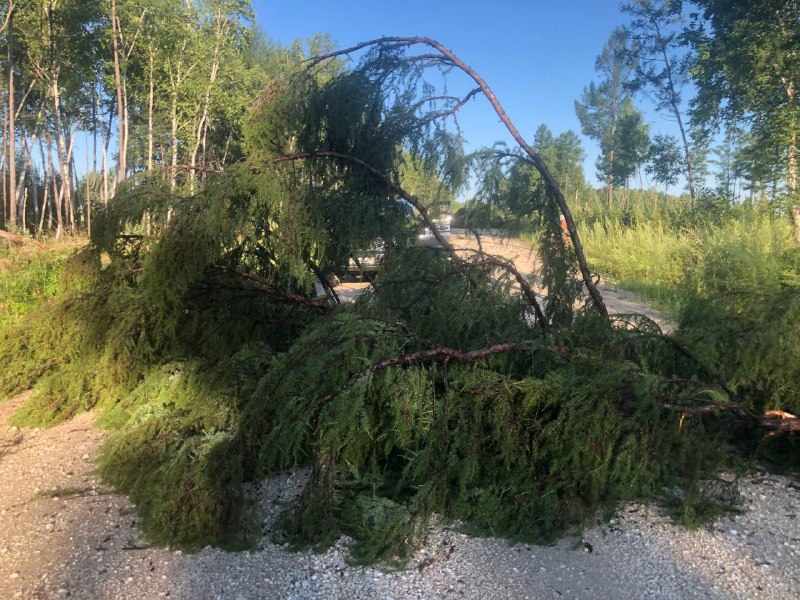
150	103
174	138
794	209
44	185
95	125
71	198
27	167
106	143
59	225
20	185
202	125
676	111
126	116
123	141
12	158
65	193
86	199
4	177
23	209
35	194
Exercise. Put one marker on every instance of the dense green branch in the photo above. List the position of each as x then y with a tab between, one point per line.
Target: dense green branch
380	175
268	288
423	357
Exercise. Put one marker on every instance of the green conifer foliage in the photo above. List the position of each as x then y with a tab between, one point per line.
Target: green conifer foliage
190	323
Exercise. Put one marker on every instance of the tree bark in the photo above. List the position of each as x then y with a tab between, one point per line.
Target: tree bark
56	199
87	203
150	103
794	212
45	186
12	158
677	113
106	143
65	191
123	138
220	31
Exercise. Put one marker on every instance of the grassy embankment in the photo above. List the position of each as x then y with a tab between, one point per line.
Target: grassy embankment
29	276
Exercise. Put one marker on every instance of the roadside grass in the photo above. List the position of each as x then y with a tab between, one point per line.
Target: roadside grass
667	267
733	287
648	259
29	277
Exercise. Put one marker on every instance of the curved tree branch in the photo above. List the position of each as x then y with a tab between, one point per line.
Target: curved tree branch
558	196
421	357
269	289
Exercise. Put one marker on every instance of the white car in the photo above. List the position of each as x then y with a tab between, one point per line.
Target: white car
369	260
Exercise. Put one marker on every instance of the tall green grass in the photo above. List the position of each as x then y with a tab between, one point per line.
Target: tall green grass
28	277
733	286
667	265
649	258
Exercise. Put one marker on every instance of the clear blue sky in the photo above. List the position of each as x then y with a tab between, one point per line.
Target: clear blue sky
537	56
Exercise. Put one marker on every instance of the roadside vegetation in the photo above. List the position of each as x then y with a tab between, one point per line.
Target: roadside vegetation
29	276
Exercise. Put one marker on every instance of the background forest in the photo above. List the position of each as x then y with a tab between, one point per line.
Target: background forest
226	180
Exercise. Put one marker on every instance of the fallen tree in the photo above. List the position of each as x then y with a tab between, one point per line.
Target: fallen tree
451	388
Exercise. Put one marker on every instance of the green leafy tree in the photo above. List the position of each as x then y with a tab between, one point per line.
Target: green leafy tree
57	48
747	70
631	143
601	106
661	63
664	161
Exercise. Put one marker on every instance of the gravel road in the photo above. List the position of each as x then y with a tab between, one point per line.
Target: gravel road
63	534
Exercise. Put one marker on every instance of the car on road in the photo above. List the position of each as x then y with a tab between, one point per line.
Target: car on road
368	261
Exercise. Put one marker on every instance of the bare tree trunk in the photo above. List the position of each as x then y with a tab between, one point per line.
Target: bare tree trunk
23	209
4	201
56	196
65	192
676	111
220	31
106	143
87	202
794	209
71	199
173	140
22	191
4	177
202	124
12	158
44	181
95	117
150	103
35	194
177	76
123	141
